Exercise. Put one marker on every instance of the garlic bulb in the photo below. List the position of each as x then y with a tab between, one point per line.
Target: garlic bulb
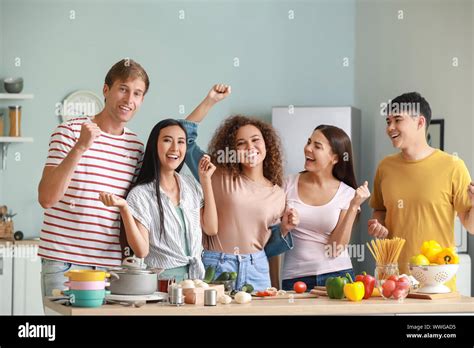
243	297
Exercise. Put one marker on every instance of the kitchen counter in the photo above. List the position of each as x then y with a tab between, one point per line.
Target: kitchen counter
313	306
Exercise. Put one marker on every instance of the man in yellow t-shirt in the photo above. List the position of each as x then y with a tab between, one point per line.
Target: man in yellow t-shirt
418	191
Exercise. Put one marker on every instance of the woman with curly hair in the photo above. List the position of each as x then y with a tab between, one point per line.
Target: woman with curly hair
247	189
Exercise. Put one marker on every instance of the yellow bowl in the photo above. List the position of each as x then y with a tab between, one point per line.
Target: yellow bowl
84	275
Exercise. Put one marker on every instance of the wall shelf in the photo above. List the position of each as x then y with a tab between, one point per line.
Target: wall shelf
6	141
12	96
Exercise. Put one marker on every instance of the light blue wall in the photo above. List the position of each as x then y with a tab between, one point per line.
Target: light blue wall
282	62
1	88
415	53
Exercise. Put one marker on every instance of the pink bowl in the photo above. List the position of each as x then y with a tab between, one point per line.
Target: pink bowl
91	285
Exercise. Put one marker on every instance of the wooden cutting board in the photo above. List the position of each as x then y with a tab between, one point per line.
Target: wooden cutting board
425	296
321	291
287	296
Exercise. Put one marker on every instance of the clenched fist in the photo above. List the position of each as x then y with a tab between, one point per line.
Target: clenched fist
290	220
111	200
89	132
361	195
206	168
376	229
219	92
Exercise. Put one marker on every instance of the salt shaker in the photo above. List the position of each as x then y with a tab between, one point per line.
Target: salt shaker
210	297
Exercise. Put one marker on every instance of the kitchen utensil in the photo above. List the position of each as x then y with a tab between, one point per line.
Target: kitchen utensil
432	278
88	303
86	298
210	297
164	284
134	278
288	295
155	297
82	275
176	297
136	304
13	85
86	294
91	285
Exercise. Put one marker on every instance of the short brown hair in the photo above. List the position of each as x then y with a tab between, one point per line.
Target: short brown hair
225	137
125	69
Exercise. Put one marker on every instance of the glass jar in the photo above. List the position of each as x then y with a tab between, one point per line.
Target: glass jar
389	284
15	120
1	124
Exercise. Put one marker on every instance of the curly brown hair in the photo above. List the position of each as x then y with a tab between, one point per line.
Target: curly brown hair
225	137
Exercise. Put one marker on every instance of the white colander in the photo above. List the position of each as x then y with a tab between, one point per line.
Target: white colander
433	277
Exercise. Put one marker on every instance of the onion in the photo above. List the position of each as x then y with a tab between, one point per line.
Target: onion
187	284
225	299
243	297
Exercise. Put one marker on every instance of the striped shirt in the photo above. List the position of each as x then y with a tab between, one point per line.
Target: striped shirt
169	251
79	228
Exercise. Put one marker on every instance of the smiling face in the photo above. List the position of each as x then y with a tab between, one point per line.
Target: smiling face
123	99
319	156
250	146
171	147
405	130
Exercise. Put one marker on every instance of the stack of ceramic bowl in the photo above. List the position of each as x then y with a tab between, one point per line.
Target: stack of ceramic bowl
86	287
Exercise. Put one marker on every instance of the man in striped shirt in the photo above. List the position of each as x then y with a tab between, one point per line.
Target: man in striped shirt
88	156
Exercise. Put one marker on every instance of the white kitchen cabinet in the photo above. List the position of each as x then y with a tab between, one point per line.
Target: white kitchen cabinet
6	274
27	298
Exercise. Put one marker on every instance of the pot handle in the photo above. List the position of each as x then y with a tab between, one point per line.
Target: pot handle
158	271
132	262
113	276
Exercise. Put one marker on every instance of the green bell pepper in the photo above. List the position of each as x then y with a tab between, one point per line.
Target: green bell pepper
335	287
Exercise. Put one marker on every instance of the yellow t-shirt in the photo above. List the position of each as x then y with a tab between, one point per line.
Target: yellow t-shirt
421	199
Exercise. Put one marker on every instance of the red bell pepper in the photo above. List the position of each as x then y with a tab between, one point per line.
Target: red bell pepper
369	283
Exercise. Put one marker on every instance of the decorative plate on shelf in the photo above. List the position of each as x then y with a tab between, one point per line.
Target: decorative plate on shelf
80	103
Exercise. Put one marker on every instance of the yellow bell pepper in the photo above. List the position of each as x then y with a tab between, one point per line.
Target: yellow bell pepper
447	256
431	249
354	291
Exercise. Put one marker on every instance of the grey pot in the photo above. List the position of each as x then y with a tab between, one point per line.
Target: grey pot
13	85
133	282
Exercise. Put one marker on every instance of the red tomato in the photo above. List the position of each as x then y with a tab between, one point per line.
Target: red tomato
403	284
386	293
299	287
404	279
398	293
262	293
389	285
393	277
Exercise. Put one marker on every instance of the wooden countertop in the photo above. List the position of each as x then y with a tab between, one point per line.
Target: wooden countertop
20	242
314	306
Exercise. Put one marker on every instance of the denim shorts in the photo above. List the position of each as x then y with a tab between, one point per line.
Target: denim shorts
250	268
52	274
315	280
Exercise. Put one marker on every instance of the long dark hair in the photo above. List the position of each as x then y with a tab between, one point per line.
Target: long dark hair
151	166
341	146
